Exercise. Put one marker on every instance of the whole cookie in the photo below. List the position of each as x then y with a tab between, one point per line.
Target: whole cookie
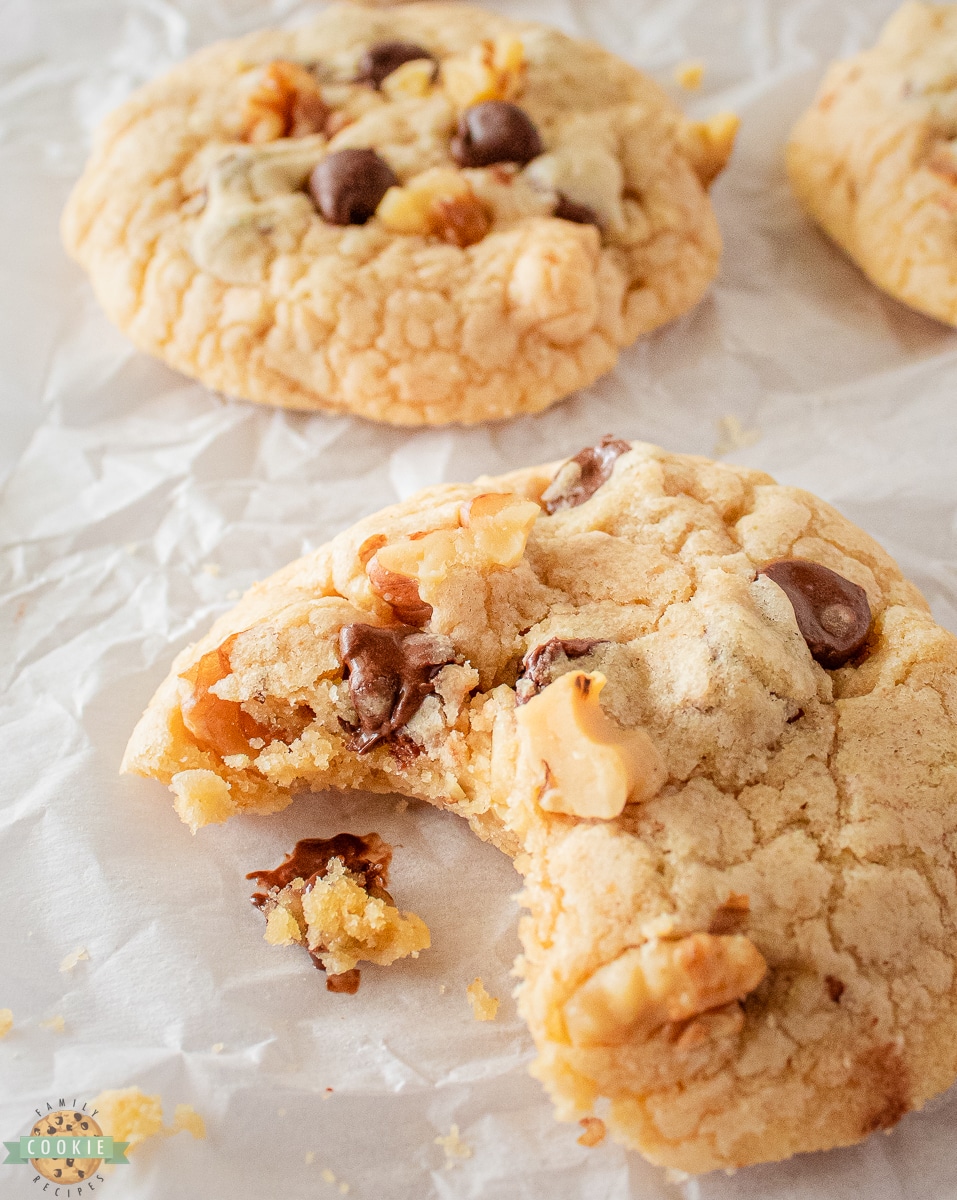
426	215
714	726
874	161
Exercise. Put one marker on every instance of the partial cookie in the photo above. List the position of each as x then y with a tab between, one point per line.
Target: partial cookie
874	160
426	215
714	726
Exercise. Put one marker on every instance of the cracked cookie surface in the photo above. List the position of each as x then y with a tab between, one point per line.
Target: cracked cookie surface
874	160
499	273
739	863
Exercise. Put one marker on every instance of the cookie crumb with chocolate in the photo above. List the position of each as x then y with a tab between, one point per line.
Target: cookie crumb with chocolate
329	895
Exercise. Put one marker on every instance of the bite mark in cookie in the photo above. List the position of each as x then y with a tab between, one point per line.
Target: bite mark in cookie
737	848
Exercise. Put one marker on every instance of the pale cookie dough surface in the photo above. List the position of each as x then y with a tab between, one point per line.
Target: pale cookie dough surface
208	251
752	952
874	160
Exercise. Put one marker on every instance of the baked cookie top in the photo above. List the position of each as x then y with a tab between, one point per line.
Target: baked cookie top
425	215
874	160
714	725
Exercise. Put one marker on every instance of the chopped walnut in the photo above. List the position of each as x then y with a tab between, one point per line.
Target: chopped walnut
660	983
493	70
493	530
287	102
437	203
399	592
592	767
710	144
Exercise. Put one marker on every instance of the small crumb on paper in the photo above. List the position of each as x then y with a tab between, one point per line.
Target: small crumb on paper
280	1112
55	1024
72	959
673	1175
593	1131
733	436
217	1047
328	1176
186	1117
689	75
6	1021
212	569
310	1157
343	1187
455	1149
484	1006
129	1115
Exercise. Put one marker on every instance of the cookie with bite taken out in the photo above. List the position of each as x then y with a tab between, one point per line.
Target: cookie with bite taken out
714	726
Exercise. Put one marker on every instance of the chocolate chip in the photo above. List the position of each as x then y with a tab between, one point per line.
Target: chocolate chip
580	478
380	60
367	856
580	214
835	988
538	663
389	672
348	185
831	612
495	132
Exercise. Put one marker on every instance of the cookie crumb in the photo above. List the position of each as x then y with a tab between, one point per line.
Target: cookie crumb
6	1021
328	1176
455	1149
673	1175
443	988
484	1006
310	1157
280	1112
689	75
72	959
129	1115
343	1187
593	1131
212	569
733	436
217	1047
186	1117
55	1024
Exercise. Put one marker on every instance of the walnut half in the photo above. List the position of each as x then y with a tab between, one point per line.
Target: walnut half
659	983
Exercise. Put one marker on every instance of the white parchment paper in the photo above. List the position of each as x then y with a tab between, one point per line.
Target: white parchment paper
136	508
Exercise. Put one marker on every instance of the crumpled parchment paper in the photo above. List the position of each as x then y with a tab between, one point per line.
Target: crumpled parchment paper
137	507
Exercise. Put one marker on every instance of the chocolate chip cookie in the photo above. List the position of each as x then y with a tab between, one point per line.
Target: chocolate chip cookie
427	215
713	724
874	160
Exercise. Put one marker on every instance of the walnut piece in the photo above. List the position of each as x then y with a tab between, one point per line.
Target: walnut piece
593	767
710	143
659	983
437	203
493	70
493	530
287	102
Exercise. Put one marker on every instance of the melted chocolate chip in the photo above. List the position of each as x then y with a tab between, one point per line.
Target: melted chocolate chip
367	856
580	214
389	672
495	132
538	663
832	613
580	478
348	185
835	988
380	60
